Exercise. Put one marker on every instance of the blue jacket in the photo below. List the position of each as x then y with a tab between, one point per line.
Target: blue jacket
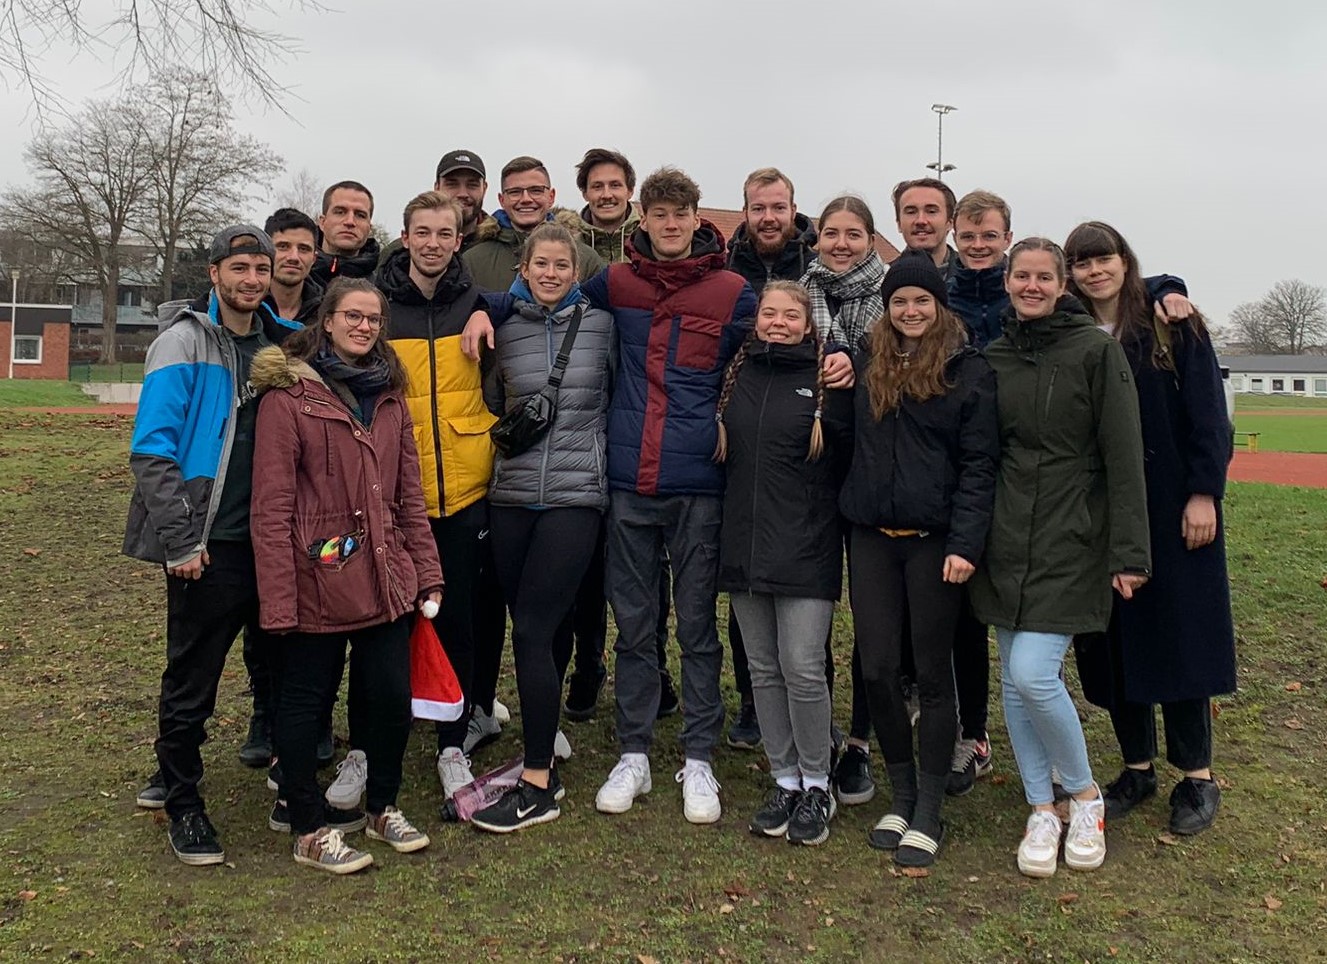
184	429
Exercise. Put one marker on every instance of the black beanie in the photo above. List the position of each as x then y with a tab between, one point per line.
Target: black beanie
914	269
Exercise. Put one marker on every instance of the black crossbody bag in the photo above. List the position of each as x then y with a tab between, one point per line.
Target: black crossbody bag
520	429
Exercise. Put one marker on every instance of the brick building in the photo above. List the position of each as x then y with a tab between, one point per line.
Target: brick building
41	343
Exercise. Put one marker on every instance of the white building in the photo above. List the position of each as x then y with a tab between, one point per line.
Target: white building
1277	374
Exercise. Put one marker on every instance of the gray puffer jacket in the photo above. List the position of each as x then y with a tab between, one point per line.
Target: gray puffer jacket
567	467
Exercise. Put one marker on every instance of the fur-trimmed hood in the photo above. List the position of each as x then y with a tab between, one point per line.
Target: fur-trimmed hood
492	227
273	368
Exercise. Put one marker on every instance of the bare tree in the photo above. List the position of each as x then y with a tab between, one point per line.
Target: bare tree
92	185
303	192
217	37
1297	312
1252	327
201	170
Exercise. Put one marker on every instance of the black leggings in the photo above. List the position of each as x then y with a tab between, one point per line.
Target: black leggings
972	671
311	664
461	547
888	575
540	556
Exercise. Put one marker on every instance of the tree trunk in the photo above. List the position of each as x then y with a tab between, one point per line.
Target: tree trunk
168	272
110	313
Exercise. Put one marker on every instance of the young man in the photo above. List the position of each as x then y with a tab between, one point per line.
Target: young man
192	458
924	212
294	295
461	177
346	246
432	296
526	201
774	243
606	181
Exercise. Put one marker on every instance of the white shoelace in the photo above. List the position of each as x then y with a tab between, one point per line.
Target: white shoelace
397	824
1084	820
457	767
1043	830
965	751
626	771
335	846
696	778
352	771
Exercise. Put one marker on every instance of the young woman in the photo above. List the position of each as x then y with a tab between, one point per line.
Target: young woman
919	498
844	287
546	503
1070	523
344	553
1173	644
784	440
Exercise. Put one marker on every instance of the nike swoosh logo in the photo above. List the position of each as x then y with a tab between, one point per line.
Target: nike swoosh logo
522	814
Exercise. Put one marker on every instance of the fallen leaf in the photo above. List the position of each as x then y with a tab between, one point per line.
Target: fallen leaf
1285	858
916	872
1169	839
736	890
999	780
1216	709
32	552
1066	898
27	895
1112	951
1294	724
829	922
726	908
1271	903
646	959
973	880
1294	687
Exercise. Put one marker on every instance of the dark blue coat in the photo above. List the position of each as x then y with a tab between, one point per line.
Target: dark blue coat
1175	639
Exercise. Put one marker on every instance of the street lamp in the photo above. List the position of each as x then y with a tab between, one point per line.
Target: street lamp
940	167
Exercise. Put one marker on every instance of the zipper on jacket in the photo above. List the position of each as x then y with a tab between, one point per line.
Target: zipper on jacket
548	366
1050	390
433	405
755	477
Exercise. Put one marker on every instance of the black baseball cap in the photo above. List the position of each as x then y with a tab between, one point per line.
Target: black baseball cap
460	161
240	239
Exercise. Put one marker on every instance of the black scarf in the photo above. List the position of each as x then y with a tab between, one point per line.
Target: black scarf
361	383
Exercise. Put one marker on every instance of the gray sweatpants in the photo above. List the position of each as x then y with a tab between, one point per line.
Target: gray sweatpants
785	645
638	528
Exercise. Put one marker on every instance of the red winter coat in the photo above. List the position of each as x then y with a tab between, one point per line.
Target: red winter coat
319	474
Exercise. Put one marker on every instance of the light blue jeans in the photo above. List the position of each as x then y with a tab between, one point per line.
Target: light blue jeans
1044	728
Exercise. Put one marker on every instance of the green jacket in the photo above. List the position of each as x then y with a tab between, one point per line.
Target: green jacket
495	257
609	245
1070	504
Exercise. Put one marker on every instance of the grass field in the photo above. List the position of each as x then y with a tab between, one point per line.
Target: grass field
87	876
1288	430
18	393
126	372
1247	402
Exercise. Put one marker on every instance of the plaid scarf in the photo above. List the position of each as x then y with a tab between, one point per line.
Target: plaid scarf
857	292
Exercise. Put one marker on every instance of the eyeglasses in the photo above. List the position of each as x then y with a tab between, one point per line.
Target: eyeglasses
514	193
988	237
356	318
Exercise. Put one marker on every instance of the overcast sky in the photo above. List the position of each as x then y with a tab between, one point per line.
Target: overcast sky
1196	128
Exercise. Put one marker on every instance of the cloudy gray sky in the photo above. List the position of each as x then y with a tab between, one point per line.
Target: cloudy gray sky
1197	128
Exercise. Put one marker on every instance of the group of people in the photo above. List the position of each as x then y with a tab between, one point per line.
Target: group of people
561	412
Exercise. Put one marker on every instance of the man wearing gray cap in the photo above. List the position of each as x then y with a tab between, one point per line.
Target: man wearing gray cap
192	457
462	178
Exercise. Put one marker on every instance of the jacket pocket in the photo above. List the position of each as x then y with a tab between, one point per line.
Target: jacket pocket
698	343
344	589
467	455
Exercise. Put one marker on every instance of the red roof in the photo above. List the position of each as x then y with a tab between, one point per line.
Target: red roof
729	221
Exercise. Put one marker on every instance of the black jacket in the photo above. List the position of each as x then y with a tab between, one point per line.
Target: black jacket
790	265
781	533
311	296
360	265
928	465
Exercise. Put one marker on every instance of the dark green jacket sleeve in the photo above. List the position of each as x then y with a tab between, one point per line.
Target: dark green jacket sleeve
1120	441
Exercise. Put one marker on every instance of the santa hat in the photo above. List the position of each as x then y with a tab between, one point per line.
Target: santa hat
435	693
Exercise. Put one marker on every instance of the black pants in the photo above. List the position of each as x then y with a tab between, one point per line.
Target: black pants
462	542
540	555
490	611
1188	726
972	671
203	617
258	661
887	574
379	675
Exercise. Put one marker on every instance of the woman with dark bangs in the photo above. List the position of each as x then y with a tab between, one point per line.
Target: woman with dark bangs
1172	644
919	496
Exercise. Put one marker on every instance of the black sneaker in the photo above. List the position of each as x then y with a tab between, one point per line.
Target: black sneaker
810	819
194	840
1128	790
524	805
326	748
555	784
153	796
274	775
1193	805
257	749
773	816
583	694
852	777
668	704
345	819
745	731
972	758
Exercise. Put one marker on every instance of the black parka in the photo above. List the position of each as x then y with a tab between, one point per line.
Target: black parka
781	533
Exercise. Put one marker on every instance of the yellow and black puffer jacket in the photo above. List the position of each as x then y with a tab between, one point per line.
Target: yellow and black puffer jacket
443	388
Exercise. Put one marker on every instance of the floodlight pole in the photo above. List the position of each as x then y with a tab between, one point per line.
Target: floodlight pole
940	167
13	320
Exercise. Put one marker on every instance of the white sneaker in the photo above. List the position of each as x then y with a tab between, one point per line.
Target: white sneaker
500	711
352	775
484	729
627	781
1085	843
700	792
453	771
1041	844
561	747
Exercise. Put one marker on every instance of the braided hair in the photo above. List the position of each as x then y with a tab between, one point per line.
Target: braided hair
816	446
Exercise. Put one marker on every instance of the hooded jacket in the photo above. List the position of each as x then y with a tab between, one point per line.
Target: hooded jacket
319	474
361	264
444	392
311	296
1070	503
494	259
790	264
977	295
609	245
929	464
780	531
567	466
678	323
184	428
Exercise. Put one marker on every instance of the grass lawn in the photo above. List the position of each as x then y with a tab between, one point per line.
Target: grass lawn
1296	430
126	372
86	873
1247	402
20	393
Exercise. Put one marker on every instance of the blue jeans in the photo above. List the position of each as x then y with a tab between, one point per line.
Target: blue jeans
1044	728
